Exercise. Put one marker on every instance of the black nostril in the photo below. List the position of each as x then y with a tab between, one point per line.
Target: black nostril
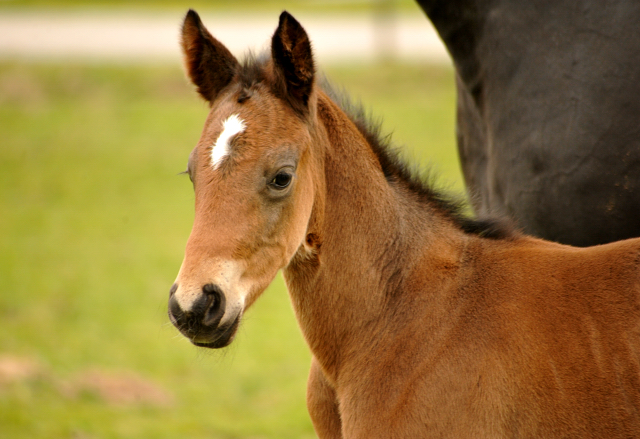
204	314
173	290
211	290
174	309
186	321
215	305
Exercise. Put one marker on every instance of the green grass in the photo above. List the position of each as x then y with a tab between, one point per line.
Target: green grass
94	219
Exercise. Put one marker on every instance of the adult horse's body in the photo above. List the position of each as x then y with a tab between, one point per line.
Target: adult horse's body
421	323
549	112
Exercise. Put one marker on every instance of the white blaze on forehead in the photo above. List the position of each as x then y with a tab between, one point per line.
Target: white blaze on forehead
231	127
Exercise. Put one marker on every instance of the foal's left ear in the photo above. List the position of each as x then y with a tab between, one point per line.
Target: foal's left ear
293	62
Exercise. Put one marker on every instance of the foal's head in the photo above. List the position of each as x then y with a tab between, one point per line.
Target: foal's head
253	175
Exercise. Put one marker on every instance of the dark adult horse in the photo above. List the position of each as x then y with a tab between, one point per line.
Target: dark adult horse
549	112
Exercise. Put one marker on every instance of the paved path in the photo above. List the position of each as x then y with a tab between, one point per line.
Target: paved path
152	36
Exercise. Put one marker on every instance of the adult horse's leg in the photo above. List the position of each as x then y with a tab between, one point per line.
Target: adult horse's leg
323	405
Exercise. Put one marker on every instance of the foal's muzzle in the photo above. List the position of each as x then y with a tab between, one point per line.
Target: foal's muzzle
201	323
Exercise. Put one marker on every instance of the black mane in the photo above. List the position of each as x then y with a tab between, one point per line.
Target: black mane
395	168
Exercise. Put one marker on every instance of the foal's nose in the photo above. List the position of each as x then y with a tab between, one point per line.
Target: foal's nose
203	317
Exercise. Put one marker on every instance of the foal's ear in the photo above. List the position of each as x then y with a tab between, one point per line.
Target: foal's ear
293	62
209	63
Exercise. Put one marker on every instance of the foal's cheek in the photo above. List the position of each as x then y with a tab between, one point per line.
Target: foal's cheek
302	203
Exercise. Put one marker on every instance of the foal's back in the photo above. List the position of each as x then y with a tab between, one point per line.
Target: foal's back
565	324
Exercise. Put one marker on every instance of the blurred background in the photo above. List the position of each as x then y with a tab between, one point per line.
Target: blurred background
96	122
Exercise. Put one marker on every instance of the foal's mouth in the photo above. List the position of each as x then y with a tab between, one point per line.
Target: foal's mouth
220	338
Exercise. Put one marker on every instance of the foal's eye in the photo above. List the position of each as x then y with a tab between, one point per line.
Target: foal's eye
281	180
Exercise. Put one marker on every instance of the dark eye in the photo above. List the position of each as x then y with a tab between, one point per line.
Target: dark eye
281	180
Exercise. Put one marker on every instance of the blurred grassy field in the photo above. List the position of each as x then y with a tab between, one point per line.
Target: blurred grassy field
93	222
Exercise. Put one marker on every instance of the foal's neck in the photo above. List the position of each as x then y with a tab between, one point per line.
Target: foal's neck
371	232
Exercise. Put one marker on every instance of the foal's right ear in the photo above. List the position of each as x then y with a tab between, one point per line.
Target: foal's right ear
209	63
293	62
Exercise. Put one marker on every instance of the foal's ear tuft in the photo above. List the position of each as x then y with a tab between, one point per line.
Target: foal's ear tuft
293	62
209	64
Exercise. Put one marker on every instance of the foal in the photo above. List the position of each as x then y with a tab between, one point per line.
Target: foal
421	323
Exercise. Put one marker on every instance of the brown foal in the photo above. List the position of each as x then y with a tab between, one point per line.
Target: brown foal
421	323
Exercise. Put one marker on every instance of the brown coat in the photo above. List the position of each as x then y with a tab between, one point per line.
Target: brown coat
422	324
